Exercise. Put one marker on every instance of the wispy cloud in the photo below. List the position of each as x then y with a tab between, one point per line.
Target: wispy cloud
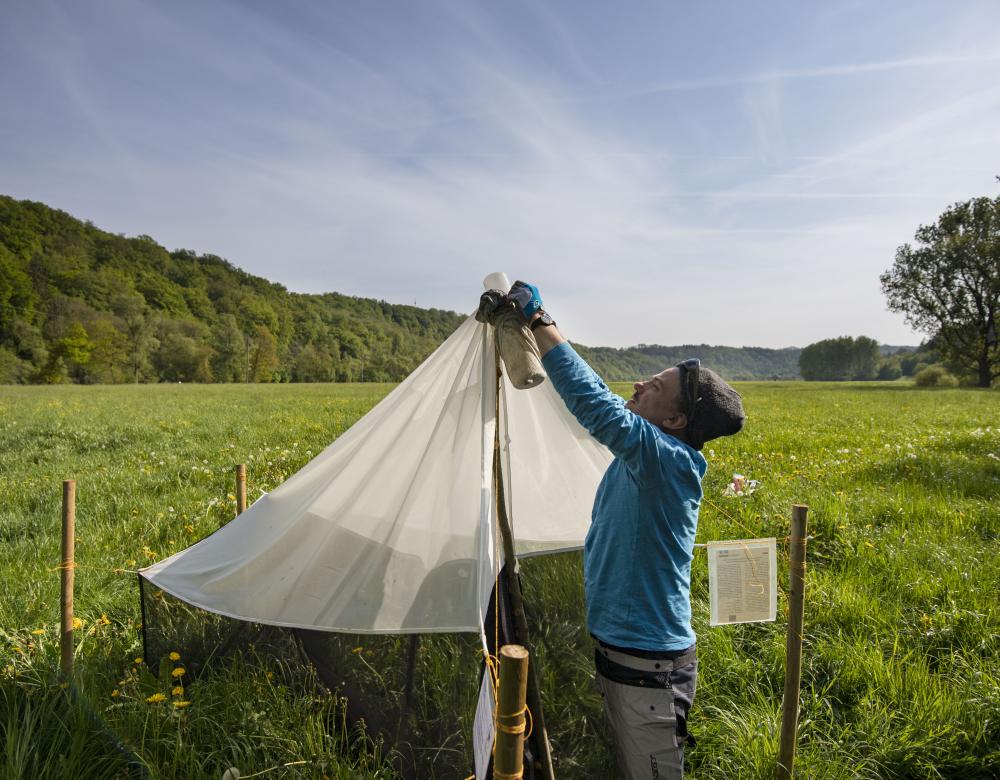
406	155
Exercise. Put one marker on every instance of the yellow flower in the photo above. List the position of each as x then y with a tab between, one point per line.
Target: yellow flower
78	623
178	690
156	698
357	649
180	704
175	656
178	672
137	661
38	631
104	621
115	693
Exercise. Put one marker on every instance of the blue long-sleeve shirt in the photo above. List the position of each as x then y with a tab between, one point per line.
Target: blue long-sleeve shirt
637	554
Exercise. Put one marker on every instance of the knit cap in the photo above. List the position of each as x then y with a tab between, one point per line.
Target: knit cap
719	411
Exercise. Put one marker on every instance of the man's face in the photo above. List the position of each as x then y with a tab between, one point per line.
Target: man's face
660	400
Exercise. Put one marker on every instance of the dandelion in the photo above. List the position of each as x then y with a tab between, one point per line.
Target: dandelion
38	631
178	672
181	704
137	661
177	690
156	698
175	656
357	649
78	623
104	620
115	693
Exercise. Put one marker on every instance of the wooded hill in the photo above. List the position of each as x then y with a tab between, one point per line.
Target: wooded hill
733	363
79	304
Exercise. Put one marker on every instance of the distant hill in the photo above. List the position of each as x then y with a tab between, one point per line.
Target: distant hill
79	304
733	363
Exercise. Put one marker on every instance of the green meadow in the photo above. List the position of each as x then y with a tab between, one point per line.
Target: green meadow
901	667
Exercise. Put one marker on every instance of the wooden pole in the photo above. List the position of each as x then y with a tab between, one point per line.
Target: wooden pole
508	751
546	771
241	489
793	644
66	578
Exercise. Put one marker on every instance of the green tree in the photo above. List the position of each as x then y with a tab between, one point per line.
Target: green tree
227	340
948	285
312	365
263	355
840	359
68	356
134	313
109	360
17	298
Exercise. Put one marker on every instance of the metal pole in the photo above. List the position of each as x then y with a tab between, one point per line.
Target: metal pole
66	578
241	489
540	733
793	644
508	751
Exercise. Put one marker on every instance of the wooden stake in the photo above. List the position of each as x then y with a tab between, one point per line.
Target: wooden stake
508	752
66	578
793	644
546	770
241	489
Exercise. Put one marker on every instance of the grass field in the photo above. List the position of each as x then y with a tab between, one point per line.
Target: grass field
901	675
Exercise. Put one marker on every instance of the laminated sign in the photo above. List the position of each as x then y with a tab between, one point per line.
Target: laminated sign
742	581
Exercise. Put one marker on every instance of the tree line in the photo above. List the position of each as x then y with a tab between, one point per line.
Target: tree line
947	285
78	304
860	359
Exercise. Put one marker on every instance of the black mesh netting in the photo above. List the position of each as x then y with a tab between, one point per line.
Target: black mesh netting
417	692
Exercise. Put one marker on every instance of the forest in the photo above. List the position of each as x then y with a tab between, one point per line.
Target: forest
82	305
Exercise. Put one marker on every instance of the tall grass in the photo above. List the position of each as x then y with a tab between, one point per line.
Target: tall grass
902	647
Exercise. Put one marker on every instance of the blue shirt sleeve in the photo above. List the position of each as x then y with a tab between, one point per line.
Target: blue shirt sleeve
630	437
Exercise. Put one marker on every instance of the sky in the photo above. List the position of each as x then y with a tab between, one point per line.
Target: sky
716	172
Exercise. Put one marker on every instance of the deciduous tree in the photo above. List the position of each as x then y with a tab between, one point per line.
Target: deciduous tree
948	285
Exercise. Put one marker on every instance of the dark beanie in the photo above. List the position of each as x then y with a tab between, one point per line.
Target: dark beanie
719	412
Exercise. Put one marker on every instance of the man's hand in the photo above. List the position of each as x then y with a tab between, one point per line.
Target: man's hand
527	299
491	303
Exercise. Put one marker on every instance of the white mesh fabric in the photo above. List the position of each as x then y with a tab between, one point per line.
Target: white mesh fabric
391	528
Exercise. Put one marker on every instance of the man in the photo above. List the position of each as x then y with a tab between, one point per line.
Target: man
637	554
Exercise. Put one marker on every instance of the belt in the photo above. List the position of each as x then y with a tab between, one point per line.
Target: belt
654	665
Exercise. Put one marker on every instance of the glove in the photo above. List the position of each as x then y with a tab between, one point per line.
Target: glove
491	303
526	297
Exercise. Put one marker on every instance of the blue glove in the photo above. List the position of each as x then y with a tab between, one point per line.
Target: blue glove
526	297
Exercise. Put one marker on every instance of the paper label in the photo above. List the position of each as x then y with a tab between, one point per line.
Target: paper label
742	581
482	728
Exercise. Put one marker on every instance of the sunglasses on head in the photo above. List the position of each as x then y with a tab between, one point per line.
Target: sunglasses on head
690	370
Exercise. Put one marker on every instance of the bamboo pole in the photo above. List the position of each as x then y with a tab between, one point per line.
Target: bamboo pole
793	644
66	572
241	489
508	751
546	771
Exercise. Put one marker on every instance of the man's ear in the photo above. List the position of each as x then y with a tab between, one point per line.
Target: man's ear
677	421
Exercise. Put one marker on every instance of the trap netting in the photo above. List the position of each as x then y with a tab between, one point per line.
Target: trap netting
416	693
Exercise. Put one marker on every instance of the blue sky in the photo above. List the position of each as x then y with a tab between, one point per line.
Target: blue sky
719	172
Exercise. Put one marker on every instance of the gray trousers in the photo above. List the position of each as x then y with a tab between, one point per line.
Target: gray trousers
649	719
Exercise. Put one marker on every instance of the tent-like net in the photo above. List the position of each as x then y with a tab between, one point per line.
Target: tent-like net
382	554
